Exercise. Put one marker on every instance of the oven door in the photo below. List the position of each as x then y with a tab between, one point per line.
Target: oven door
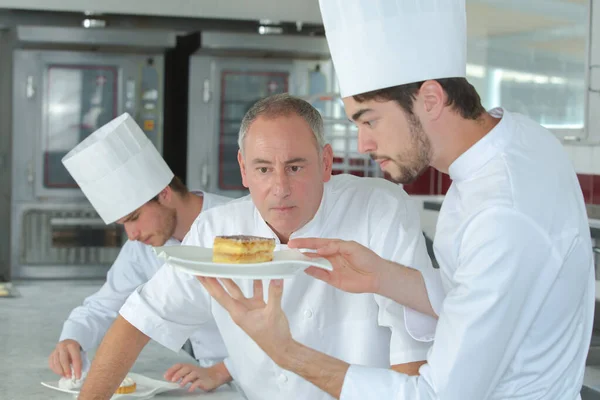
63	242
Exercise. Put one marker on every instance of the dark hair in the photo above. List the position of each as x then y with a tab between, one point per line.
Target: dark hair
177	186
462	96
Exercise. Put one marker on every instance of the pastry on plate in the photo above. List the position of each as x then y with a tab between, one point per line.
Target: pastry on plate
242	249
127	386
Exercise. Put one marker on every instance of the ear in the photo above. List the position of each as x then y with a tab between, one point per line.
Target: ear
240	158
433	99
327	162
165	196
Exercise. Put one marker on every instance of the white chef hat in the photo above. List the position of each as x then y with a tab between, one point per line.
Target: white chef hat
118	168
376	44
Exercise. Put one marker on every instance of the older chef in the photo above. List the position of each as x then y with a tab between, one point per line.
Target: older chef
512	240
286	165
127	181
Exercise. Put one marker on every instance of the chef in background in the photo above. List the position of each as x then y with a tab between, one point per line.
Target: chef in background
127	181
512	238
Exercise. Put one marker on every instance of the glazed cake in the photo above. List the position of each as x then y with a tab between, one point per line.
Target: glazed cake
242	249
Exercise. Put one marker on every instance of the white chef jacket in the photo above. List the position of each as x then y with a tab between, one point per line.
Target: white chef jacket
514	249
135	264
364	329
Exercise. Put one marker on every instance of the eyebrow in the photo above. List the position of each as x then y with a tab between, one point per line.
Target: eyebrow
360	113
292	161
295	160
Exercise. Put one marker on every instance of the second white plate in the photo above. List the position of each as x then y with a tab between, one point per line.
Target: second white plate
146	387
196	260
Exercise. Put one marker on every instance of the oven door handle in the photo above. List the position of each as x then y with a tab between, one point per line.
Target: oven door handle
97	222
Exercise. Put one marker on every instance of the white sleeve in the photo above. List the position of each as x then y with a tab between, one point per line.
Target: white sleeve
397	236
88	323
172	305
403	348
507	266
401	239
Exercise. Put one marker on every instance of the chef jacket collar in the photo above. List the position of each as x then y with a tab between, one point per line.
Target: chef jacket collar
485	149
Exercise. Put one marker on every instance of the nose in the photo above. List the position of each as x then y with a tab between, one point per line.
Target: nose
281	184
131	230
366	144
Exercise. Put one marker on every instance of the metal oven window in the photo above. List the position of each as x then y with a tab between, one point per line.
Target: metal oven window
80	99
342	135
53	237
239	91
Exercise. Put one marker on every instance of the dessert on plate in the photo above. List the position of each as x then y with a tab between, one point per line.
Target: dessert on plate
242	249
127	386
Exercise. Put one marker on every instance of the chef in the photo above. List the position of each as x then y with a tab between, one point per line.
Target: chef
286	165
512	238
127	181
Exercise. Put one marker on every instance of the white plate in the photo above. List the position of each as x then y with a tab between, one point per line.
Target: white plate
197	260
146	388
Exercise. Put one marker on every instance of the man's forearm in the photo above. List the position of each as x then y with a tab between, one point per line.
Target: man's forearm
326	372
115	357
321	370
405	286
411	368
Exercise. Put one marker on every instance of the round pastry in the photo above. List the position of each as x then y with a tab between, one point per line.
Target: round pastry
127	386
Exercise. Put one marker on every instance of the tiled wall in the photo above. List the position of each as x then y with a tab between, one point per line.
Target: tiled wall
586	160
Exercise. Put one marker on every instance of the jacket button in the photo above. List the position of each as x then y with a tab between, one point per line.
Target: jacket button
283	378
308	313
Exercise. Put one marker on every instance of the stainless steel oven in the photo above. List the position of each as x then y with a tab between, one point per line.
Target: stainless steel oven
59	98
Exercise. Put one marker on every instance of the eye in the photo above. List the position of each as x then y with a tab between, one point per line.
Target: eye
263	170
295	168
369	123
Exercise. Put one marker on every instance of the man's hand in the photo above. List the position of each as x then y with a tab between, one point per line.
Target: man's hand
268	326
66	353
206	379
265	323
356	269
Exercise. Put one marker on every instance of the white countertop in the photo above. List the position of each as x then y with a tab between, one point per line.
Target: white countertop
29	328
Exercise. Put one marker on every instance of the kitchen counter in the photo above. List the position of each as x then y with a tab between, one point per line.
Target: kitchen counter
30	325
595	227
432	205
